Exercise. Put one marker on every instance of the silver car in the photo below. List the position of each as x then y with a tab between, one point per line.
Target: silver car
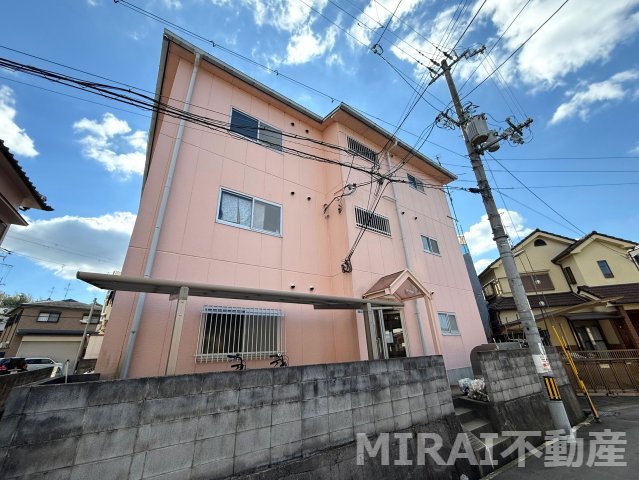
36	363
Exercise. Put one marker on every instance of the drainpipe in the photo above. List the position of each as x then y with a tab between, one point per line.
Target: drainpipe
135	324
407	256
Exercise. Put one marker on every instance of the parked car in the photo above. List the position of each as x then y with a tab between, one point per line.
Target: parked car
36	363
12	364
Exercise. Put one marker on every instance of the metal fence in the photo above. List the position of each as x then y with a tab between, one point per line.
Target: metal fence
606	371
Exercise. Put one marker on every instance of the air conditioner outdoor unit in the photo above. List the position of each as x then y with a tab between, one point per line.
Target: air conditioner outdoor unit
477	129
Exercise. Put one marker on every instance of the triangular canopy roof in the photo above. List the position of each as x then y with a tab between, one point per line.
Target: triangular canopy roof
401	285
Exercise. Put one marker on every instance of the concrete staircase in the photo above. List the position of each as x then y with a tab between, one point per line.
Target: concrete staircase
474	418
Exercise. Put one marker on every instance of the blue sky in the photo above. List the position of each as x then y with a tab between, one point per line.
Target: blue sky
577	77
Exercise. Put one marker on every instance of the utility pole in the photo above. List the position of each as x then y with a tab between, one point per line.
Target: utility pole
84	335
477	142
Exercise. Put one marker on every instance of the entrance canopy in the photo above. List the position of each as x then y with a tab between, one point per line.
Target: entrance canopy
400	286
172	287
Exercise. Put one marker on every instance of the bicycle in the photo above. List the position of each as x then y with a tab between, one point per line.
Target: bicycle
237	366
280	360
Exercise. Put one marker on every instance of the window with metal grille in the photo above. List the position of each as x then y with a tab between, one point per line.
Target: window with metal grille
415	183
372	221
255	129
537	282
362	150
430	245
254	333
605	269
570	276
448	323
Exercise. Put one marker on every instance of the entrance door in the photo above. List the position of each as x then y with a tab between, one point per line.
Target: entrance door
391	335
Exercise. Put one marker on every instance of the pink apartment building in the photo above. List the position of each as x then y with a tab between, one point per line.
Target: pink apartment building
247	208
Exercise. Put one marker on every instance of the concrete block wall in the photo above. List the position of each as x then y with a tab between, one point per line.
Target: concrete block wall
516	394
8	382
509	374
214	425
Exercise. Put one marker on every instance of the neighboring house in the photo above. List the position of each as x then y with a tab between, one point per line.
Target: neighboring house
16	193
246	210
588	289
48	328
3	318
94	342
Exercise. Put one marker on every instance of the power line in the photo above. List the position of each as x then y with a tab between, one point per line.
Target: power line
495	44
363	112
516	50
468	26
389	22
537	196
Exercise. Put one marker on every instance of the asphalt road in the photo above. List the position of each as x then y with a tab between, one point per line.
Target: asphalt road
619	414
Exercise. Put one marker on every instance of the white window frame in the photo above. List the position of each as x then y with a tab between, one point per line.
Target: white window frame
428	242
449	330
260	126
415	183
253	199
273	334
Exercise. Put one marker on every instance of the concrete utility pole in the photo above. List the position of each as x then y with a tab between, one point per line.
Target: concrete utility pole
500	236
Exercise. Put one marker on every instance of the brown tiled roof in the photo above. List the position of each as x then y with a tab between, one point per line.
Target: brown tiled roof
384	282
41	199
550	299
68	304
535	231
570	248
629	292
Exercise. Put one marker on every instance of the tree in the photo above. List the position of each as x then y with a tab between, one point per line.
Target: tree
12	301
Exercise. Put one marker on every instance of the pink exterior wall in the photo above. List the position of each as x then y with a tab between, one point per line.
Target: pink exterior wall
194	247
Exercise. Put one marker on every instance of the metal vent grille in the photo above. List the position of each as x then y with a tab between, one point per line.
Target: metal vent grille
372	221
362	150
254	333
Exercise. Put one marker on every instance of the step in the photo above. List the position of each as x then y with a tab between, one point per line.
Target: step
499	444
465	414
477	426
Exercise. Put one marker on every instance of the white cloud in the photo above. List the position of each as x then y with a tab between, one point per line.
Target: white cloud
305	45
480	237
92	3
635	149
566	43
177	4
375	15
596	93
110	142
481	264
285	15
14	137
67	244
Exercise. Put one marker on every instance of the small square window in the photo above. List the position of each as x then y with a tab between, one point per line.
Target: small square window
415	183
448	323
605	269
430	245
